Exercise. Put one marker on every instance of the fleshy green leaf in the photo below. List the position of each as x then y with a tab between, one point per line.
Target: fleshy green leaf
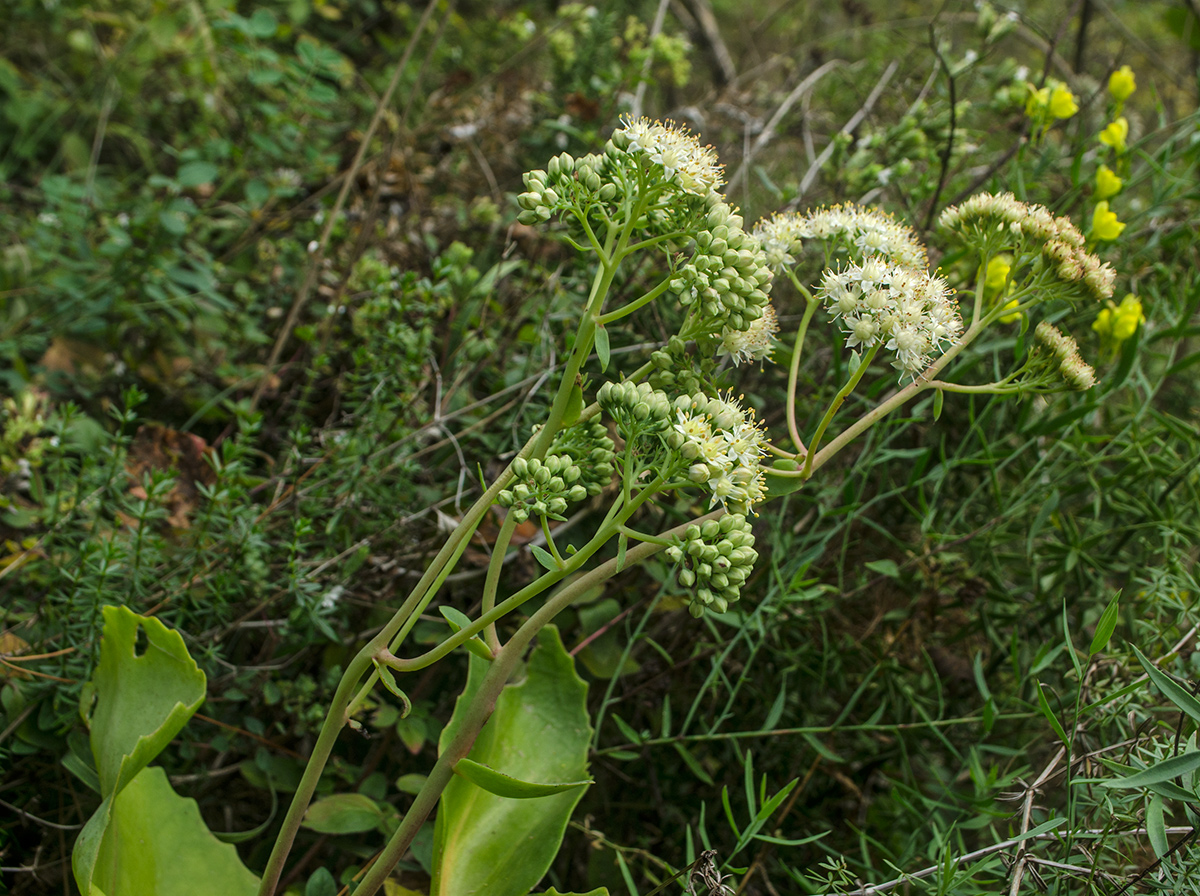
156	844
507	786
544	557
602	349
343	813
939	399
777	486
574	405
142	700
487	844
458	621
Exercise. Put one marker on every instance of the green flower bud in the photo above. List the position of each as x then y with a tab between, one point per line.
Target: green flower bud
674	553
641	411
720	580
521	491
687	578
572	473
541	475
520	468
692	533
577	493
608	191
558	505
591	180
505	498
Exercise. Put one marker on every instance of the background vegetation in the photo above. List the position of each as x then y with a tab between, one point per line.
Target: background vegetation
265	306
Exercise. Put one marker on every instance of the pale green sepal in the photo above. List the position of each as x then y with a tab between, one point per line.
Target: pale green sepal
507	786
487	844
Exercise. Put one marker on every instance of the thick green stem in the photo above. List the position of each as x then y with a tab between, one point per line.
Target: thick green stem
492	583
885	407
810	308
484	702
838	399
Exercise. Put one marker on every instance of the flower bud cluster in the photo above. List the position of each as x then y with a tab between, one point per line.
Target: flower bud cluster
868	231
589	444
727	278
544	487
1064	352
724	444
1080	267
986	216
906	310
716	558
637	409
986	212
566	182
673	368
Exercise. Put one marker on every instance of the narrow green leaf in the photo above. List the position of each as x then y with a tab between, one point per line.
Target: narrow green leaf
622	546
1069	641
1156	826
1044	706
776	711
1105	627
544	557
939	398
627	730
666	716
1166	770
458	621
693	763
1172	691
507	786
389	682
602	349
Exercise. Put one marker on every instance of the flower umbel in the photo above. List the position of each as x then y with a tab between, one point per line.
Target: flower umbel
683	160
906	310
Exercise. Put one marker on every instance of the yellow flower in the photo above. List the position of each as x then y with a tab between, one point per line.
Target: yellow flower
1107	183
1115	134
1037	102
1105	225
1121	84
1115	324
1128	317
1011	318
1062	102
997	274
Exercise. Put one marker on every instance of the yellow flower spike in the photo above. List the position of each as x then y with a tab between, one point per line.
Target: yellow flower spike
1115	134
1062	102
1122	84
1105	225
1107	183
1011	318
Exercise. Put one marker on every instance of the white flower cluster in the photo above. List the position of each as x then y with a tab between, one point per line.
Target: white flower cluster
869	231
683	160
727	278
986	215
1078	374
906	310
753	344
725	444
